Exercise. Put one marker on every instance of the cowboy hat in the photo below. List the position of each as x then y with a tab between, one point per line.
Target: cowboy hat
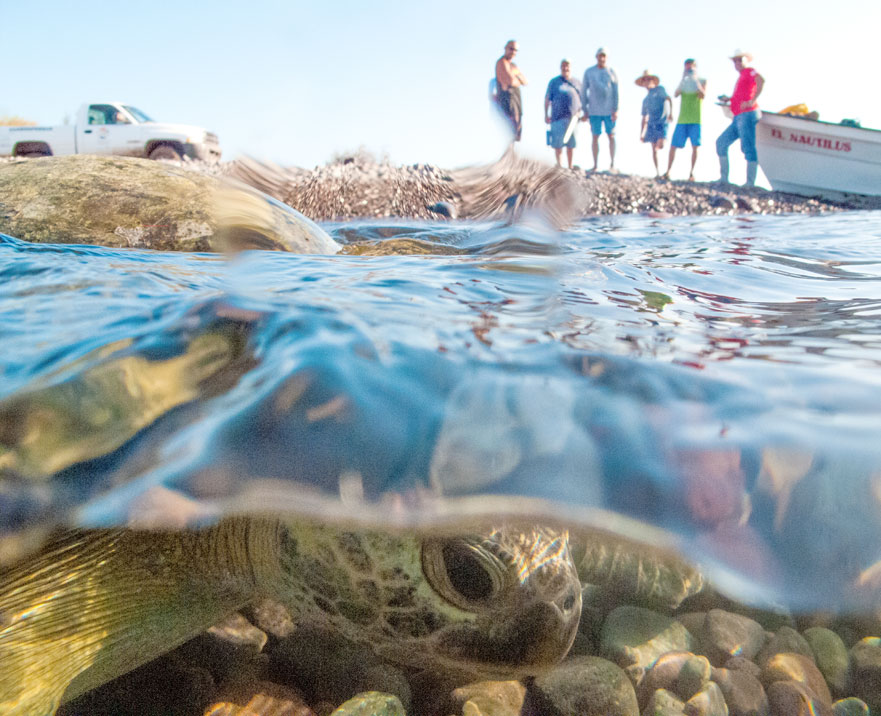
645	77
741	53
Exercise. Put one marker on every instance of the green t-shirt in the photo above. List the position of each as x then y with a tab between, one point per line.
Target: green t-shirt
690	109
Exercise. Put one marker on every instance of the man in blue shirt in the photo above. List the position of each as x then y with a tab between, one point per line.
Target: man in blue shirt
563	98
657	113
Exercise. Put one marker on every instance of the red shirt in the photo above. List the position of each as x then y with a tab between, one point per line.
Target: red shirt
744	91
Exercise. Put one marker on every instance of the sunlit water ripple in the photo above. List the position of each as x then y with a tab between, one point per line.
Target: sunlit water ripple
714	377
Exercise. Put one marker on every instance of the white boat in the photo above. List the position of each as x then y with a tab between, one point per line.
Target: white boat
806	156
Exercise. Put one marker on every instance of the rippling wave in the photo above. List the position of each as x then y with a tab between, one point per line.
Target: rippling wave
709	382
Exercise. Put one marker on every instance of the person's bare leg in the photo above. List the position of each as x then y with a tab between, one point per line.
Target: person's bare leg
693	162
595	148
557	154
670	161
612	150
655	159
569	151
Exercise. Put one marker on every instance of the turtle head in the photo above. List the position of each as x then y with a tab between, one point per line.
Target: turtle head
505	603
521	592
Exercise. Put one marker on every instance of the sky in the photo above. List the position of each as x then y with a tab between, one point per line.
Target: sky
300	82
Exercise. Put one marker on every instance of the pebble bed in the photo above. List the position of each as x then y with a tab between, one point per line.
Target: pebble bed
708	657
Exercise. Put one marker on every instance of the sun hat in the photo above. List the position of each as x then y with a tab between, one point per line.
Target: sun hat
565	61
601	51
740	53
644	78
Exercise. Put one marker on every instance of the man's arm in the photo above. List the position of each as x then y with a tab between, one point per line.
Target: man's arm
747	105
669	104
760	85
548	101
614	95
701	88
585	91
518	74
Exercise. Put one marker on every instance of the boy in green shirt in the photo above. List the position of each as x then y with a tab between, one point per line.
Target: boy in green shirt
693	89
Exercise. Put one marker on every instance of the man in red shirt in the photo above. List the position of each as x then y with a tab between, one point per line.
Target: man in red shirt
746	115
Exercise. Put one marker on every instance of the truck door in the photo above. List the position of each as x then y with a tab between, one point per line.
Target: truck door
109	130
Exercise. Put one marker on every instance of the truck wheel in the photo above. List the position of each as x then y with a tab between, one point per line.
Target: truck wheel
165	151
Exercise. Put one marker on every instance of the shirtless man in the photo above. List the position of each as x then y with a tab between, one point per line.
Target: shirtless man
510	79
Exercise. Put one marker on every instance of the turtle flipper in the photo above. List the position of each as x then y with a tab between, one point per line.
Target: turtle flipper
98	603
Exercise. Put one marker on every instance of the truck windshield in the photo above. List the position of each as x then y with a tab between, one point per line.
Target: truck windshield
137	114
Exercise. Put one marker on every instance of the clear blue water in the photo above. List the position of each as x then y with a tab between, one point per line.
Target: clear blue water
714	379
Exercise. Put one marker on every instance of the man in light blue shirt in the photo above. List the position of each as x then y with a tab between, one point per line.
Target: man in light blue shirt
600	101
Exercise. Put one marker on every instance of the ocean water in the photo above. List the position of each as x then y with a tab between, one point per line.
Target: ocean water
709	383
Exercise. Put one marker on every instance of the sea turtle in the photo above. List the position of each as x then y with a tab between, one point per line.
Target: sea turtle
474	594
97	603
497	603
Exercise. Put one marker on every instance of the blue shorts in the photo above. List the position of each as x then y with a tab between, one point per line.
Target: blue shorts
558	131
686	131
655	131
597	122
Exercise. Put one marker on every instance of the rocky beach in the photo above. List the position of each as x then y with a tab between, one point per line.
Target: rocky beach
357	186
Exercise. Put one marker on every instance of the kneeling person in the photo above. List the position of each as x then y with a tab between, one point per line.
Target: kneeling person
563	99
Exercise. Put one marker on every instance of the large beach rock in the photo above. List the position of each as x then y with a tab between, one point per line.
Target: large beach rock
128	202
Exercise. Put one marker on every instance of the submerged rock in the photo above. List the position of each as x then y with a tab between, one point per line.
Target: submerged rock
371	703
586	686
127	202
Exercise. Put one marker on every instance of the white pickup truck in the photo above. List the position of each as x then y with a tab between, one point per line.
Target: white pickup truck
111	128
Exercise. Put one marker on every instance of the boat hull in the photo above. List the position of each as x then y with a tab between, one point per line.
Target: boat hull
814	158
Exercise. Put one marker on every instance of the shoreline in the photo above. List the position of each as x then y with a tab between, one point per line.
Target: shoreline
355	187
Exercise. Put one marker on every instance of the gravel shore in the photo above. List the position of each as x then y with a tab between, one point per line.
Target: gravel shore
358	187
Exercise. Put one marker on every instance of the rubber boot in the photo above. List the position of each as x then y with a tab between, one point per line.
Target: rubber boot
723	170
751	169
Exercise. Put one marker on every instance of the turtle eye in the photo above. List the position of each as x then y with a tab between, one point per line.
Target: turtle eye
461	571
466	572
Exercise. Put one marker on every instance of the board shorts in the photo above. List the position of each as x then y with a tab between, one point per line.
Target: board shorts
597	122
655	131
558	130
686	131
512	107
